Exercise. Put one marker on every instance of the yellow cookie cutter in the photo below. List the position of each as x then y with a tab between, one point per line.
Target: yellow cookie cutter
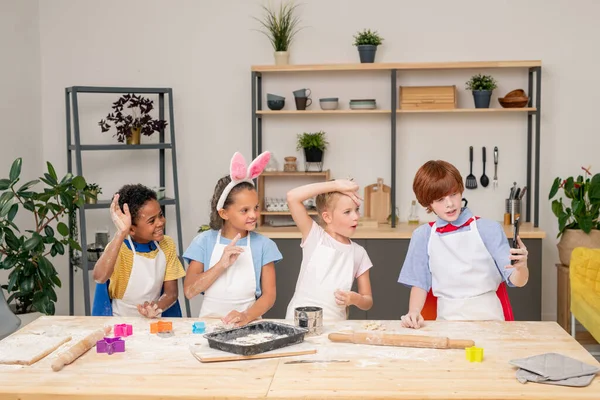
474	354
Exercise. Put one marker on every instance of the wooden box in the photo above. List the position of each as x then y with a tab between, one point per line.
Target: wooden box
427	97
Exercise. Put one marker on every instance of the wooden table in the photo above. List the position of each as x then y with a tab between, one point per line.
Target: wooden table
154	367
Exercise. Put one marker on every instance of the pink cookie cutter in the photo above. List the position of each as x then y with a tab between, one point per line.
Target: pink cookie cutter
110	345
123	330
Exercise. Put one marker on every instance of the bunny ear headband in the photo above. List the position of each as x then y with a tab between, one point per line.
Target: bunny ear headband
240	173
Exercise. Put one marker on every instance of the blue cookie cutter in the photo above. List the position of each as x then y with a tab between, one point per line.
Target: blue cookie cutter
198	327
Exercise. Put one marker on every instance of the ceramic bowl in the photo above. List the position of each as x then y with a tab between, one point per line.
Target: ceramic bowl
275	105
271	96
328	103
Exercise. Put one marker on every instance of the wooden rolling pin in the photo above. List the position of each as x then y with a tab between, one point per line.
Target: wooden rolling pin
394	339
80	348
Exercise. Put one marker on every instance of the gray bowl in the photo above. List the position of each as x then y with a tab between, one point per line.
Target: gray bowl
275	105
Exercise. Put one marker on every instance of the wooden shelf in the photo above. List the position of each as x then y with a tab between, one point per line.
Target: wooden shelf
295	174
283	213
317	112
401	66
471	110
399	111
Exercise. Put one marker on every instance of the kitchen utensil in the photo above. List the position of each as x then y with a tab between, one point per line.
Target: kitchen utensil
378	201
310	318
484	179
471	182
512	191
523	192
315	361
285	335
495	167
220	358
80	348
394	339
517	193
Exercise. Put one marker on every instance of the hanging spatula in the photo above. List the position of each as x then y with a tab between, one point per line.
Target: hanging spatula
471	182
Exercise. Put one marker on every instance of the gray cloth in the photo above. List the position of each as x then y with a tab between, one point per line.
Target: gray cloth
554	369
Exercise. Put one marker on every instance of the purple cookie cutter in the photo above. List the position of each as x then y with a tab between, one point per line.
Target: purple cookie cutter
123	330
110	345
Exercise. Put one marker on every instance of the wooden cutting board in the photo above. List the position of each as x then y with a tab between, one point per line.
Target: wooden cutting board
378	201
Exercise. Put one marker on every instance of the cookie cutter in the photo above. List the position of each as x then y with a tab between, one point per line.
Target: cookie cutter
123	330
474	354
198	327
161	326
110	345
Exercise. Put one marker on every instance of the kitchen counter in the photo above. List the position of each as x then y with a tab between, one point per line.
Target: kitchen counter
384	231
153	367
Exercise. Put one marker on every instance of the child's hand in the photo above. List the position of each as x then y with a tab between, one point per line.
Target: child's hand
237	318
344	297
412	320
519	255
349	188
149	310
231	253
122	220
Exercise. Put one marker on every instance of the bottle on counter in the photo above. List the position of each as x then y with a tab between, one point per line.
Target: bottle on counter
413	216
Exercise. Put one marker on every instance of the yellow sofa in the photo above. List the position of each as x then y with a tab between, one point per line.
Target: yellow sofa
584	275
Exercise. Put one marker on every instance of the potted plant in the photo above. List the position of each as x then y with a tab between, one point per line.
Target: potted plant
94	190
482	87
366	42
280	26
578	224
26	252
313	144
130	127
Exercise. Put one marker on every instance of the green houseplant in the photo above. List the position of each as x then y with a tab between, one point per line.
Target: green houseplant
130	127
482	87
366	42
94	190
578	222
26	253
313	144
281	27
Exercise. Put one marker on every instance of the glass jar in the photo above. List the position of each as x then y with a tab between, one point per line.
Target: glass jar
290	164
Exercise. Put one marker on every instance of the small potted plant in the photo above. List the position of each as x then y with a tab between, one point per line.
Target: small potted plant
93	190
280	26
313	144
579	222
130	127
366	42
482	87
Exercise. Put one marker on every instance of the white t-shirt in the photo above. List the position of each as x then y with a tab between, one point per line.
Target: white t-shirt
362	262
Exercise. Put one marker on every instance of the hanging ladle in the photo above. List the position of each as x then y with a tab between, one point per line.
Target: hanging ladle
484	179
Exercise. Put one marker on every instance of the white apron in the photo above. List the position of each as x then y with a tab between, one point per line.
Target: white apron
327	270
235	289
145	283
464	277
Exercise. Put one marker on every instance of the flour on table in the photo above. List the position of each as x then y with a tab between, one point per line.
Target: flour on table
27	348
374	326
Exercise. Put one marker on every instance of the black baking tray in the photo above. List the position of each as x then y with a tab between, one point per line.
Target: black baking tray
219	340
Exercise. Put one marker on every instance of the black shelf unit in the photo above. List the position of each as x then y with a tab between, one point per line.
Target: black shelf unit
75	148
534	69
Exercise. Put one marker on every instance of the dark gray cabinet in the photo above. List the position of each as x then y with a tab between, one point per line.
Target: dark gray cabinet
390	299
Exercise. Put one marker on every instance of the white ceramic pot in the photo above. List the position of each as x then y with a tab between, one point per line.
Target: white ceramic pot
282	58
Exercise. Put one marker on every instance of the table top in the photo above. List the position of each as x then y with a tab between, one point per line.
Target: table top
155	367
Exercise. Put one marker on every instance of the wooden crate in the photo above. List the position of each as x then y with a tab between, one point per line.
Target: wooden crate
427	97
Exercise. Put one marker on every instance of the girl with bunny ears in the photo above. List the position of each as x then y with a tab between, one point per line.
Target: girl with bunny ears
230	264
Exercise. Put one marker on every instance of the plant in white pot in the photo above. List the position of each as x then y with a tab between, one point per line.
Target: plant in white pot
366	42
26	252
281	27
578	224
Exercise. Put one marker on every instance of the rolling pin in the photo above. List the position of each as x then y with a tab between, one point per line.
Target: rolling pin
394	339
80	348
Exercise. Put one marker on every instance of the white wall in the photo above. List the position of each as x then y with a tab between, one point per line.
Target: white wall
20	102
204	50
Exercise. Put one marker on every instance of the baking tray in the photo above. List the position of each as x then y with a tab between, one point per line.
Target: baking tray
223	340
